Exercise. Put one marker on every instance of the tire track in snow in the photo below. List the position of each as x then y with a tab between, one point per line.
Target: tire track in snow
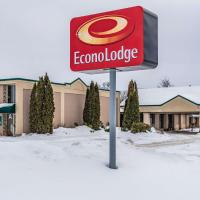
166	143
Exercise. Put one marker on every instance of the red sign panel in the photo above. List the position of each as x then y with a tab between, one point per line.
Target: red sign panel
107	40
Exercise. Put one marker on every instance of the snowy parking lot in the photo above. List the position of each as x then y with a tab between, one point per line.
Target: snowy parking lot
71	164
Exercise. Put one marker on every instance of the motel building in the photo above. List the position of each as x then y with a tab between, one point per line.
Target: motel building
173	108
69	100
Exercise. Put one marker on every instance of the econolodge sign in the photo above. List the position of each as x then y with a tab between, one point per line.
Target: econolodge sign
120	40
125	39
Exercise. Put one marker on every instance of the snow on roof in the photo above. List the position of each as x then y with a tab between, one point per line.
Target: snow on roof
158	96
2	105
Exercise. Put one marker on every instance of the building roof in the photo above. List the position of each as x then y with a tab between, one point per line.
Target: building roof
66	83
33	80
160	96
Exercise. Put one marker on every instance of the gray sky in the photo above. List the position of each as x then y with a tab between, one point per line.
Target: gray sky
34	39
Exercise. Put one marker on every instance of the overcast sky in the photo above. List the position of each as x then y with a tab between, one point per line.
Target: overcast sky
34	39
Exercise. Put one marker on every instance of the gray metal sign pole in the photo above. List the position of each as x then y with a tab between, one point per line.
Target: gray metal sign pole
112	116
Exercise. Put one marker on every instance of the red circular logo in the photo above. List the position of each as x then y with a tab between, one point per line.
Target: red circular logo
105	30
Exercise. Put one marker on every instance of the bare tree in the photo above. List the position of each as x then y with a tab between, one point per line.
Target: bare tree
123	95
105	86
165	83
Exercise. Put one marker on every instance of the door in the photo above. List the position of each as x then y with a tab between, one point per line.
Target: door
161	121
10	125
171	121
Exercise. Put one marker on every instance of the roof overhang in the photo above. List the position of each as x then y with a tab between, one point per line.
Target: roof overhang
7	108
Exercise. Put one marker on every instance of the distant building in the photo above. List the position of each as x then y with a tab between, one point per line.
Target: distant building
172	108
69	99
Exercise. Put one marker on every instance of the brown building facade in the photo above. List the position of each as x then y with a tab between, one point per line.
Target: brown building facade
174	108
69	99
177	114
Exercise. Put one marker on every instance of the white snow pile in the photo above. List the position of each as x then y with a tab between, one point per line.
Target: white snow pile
192	130
2	105
71	164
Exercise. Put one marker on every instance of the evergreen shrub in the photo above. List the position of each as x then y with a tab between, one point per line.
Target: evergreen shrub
139	127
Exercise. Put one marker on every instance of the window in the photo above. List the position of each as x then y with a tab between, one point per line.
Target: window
141	117
152	119
11	94
1	120
161	121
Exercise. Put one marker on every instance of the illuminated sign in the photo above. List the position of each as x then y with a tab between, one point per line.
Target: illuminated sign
124	39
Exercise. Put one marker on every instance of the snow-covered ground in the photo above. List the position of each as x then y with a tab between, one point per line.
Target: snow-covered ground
71	164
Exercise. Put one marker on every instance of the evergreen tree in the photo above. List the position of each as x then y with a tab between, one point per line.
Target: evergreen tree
96	109
91	112
131	88
86	108
136	111
131	109
91	104
40	105
48	106
33	110
128	114
135	87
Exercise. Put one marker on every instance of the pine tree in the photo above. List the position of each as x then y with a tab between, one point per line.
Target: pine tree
136	111
86	108
128	114
40	105
48	109
131	87
91	103
33	110
135	87
96	109
91	112
131	109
